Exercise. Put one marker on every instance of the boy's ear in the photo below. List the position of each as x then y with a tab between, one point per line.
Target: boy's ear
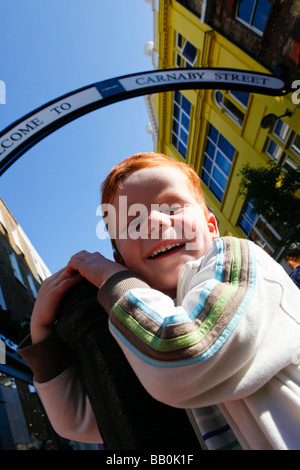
213	226
118	258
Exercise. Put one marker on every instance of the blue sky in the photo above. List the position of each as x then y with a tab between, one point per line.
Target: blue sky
49	48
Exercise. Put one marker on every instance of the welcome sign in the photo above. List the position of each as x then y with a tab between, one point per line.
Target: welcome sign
17	138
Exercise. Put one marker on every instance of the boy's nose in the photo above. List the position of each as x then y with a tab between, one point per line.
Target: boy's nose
157	222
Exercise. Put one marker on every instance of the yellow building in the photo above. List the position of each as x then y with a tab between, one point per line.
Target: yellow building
218	131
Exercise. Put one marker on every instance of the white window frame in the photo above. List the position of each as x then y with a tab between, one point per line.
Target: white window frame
178	121
16	269
180	51
293	147
32	285
277	154
249	25
214	164
284	133
253	223
16	238
221	105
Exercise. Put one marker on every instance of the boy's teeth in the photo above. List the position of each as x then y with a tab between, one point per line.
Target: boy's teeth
164	248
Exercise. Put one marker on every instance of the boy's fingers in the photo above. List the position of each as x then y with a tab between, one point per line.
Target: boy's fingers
67	282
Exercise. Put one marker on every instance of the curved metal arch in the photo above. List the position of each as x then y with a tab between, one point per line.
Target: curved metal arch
24	133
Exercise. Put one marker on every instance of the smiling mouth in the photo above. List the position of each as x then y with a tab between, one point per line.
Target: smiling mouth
165	250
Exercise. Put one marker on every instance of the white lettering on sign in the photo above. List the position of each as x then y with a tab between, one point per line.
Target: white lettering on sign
206	76
46	116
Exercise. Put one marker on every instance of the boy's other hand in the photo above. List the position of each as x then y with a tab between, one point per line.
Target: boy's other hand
92	266
47	303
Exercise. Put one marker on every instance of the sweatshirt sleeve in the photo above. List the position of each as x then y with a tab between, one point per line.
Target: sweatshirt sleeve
60	388
209	348
47	358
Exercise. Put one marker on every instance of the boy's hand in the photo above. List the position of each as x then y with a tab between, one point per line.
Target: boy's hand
93	266
47	303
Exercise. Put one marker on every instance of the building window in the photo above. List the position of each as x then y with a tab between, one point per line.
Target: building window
295	145
218	157
282	140
32	285
15	266
288	164
181	122
273	150
234	104
254	14
281	130
256	228
16	237
185	52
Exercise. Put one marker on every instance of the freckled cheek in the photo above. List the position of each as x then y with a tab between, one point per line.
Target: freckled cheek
130	254
187	224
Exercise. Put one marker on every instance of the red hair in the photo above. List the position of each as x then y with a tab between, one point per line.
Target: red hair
136	162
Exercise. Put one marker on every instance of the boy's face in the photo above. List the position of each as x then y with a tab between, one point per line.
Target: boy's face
162	227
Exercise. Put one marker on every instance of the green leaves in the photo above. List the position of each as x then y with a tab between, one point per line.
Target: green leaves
274	194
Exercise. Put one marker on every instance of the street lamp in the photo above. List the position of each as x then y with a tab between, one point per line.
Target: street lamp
270	119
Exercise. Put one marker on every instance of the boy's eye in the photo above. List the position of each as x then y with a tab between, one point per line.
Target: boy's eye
136	222
171	210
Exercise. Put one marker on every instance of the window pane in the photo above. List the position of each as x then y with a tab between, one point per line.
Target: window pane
179	41
176	111
226	147
186	105
250	213
189	52
207	163
219	98
281	130
182	149
296	145
177	97
185	121
175	126
205	176
223	163
274	150
245	225
183	136
216	165
210	149
245	10
180	123
174	140
234	111
219	177
262	11
241	96
213	133
216	190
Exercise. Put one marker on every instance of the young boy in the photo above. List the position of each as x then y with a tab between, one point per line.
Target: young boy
204	321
